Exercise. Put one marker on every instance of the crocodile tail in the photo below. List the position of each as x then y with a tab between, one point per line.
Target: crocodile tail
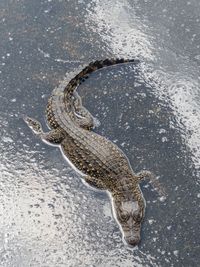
93	66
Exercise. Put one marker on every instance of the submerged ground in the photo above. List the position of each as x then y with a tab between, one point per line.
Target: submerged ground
48	217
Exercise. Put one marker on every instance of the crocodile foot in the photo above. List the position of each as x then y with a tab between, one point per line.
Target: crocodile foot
34	125
154	181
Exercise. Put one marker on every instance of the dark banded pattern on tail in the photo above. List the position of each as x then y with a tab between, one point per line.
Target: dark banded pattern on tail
93	66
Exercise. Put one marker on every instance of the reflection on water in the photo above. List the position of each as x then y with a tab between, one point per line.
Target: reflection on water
129	31
47	216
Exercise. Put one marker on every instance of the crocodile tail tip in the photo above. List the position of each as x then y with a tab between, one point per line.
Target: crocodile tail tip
125	60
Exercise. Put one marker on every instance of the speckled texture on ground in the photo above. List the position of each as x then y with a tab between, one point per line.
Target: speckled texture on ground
48	217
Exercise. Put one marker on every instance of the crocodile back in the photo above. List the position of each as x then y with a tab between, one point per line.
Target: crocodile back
96	156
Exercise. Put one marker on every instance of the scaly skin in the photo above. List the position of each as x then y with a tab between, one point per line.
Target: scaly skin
102	164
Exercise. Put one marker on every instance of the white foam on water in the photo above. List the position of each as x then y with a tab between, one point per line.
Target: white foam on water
111	21
173	78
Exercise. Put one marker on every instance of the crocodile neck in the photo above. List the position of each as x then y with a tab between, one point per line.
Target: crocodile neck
127	189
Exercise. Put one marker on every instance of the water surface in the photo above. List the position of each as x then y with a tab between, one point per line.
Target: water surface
48	217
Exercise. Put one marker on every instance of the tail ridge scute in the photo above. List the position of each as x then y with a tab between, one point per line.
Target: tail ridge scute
93	66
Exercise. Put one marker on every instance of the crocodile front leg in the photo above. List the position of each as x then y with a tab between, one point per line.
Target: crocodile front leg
55	136
81	115
155	183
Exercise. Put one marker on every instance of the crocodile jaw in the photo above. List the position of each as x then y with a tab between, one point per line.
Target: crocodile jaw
131	233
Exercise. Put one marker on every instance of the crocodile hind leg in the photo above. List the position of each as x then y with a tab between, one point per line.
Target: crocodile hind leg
55	136
81	115
153	180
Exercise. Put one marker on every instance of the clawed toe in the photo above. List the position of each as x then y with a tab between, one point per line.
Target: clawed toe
33	124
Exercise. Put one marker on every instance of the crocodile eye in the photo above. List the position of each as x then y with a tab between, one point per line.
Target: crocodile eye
123	216
138	216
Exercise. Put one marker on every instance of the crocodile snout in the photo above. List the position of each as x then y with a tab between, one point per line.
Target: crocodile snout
132	241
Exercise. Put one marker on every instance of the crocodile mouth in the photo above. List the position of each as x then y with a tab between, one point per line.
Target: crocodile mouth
132	240
131	235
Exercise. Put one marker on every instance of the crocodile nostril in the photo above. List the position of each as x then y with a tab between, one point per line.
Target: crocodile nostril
132	241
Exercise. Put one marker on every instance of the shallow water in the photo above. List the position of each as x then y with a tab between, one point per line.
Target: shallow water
48	217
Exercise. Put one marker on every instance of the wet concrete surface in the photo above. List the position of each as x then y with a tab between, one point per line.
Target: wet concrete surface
48	217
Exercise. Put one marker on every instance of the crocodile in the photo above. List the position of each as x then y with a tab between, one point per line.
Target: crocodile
102	163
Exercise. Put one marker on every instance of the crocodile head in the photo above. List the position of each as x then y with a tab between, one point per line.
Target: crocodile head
129	214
